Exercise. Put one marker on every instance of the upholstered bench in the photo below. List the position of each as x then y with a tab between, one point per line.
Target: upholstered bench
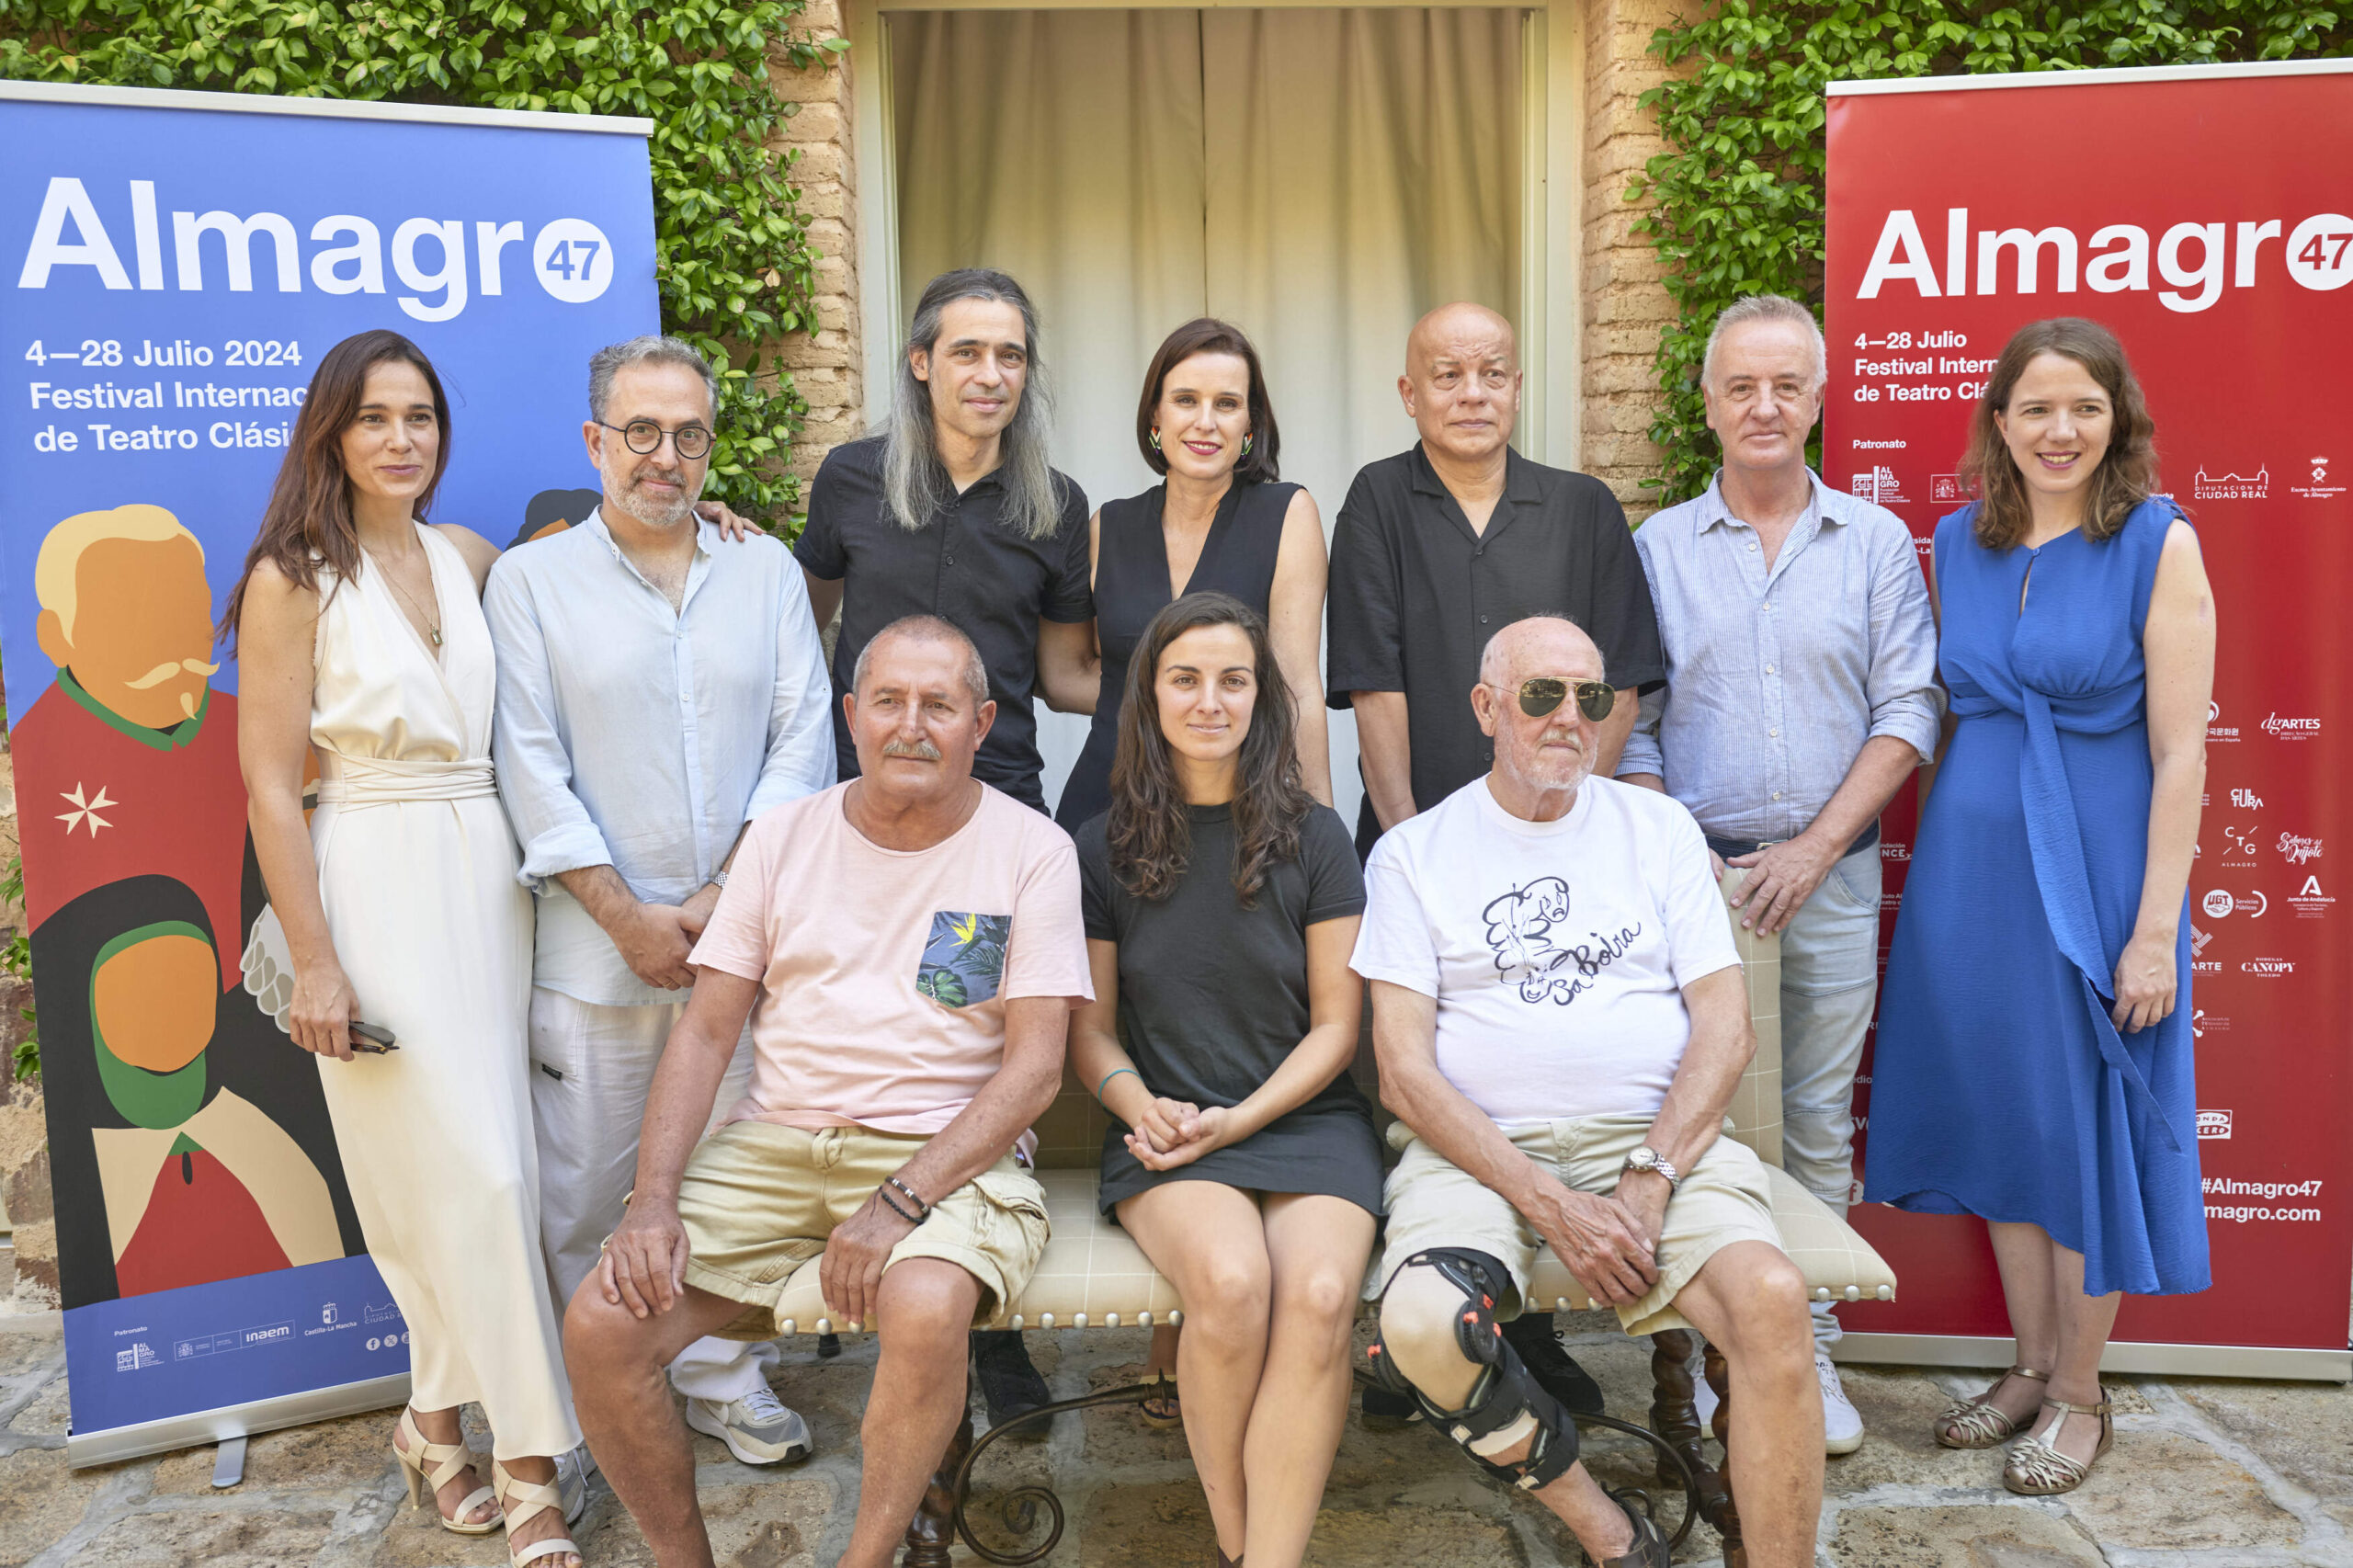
1094	1276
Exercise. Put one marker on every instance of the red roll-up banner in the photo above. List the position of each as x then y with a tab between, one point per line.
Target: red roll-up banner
2205	215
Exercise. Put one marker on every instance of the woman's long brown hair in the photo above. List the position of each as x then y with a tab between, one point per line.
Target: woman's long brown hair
1151	837
2127	474
307	525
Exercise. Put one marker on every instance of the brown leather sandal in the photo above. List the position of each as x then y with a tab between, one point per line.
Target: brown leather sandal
1978	1423
2036	1468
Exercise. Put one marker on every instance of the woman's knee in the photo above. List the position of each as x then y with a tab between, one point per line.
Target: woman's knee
1321	1297
1229	1292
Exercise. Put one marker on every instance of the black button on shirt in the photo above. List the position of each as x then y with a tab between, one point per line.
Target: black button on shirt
1415	595
966	565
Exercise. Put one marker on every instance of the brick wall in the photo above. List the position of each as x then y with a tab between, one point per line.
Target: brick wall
825	364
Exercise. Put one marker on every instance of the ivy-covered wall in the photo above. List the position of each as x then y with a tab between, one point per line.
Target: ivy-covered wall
1734	205
736	270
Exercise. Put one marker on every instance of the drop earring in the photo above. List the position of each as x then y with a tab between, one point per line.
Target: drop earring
1246	446
1155	438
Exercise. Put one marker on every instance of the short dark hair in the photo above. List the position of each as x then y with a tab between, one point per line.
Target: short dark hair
1206	335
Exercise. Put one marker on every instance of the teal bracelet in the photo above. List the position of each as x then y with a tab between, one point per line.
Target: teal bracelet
1113	1074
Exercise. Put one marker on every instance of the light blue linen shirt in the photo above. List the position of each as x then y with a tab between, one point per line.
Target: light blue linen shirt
1776	679
637	736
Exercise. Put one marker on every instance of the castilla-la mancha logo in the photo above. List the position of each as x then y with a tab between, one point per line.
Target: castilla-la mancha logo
2204	486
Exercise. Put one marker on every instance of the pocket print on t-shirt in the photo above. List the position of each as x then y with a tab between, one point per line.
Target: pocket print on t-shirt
963	962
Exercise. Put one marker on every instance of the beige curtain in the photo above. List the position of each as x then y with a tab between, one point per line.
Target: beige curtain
1319	177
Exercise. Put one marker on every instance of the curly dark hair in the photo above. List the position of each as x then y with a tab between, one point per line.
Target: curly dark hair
2127	474
1150	836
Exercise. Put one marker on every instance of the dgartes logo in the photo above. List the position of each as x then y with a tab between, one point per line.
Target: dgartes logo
2267	969
2290	729
2204	486
2213	1124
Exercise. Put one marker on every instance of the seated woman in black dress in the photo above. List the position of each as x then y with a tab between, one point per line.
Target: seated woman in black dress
1222	904
1220	522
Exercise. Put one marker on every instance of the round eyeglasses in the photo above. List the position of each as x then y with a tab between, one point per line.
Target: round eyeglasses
644	438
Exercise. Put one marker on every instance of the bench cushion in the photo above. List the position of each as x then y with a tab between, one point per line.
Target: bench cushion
1094	1276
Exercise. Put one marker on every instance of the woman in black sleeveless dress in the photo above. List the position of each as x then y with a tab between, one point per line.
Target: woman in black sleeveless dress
1220	520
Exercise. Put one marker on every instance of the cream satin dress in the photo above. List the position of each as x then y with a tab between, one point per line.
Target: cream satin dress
417	869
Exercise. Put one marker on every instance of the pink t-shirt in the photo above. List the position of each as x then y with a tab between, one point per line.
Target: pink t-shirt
885	972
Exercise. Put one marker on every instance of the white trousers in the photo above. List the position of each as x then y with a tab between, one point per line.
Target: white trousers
592	1069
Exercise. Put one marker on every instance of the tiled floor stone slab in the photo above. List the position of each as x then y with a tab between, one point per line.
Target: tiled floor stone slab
2207	1473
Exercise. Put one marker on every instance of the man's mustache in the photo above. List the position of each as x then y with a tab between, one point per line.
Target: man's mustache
170	669
921	751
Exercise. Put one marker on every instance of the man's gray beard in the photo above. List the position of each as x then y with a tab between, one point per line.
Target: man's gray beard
634	502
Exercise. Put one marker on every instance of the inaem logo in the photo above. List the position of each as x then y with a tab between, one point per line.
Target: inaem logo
2213	1124
571	257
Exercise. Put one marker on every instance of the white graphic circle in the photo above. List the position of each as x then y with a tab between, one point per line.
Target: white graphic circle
572	260
374	1343
2218	903
2320	253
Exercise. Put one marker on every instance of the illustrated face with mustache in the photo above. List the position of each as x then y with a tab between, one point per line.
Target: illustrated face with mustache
143	625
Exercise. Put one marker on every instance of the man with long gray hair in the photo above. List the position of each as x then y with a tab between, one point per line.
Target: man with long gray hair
1801	693
951	509
658	688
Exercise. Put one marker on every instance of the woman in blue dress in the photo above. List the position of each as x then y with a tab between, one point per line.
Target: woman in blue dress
2034	1064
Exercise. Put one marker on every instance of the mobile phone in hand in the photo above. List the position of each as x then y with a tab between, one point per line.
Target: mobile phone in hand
373	1039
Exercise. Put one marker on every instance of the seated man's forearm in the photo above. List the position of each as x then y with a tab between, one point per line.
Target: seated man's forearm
1007	1106
1722	1044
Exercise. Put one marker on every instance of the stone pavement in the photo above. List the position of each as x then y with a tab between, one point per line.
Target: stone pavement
2207	1474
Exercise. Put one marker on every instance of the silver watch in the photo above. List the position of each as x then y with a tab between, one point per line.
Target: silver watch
1646	1158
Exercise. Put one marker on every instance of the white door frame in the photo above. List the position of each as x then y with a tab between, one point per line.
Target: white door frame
1551	191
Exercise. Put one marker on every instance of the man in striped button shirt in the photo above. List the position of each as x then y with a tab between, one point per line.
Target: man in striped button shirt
1801	694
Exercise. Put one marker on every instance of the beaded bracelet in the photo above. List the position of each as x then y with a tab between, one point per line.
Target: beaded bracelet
892	1204
921	1207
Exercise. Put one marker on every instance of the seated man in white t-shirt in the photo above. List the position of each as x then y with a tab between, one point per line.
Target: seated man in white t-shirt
1561	1021
908	947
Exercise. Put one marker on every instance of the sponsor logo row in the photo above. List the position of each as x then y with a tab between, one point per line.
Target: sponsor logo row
2308	479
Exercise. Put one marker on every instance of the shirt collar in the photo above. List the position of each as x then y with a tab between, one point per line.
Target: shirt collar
1713	511
1519	476
706	534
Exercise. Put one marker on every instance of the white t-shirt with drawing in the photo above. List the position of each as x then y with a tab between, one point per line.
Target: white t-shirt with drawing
1557	951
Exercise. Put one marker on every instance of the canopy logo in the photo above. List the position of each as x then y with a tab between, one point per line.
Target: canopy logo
2194	258
2267	969
571	257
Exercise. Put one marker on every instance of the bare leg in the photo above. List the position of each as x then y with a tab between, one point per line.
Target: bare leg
547	1522
620	1385
1417	1318
1316	1248
924	1320
1750	1302
2085	1324
1207	1238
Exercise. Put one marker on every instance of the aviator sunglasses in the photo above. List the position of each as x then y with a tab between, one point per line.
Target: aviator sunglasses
1542	694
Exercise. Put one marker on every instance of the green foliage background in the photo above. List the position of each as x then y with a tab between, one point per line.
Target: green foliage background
1739	206
734	264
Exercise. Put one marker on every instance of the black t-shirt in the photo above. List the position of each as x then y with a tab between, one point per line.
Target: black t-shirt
965	564
1415	595
1213	996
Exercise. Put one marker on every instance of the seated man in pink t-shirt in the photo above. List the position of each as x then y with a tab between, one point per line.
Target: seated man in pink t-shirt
909	948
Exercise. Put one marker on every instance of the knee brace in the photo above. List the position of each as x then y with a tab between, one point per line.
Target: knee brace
1507	1402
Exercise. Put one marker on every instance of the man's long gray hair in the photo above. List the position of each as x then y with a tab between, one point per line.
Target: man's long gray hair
915	481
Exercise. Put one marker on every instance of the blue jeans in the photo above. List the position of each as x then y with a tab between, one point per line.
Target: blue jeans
1829	980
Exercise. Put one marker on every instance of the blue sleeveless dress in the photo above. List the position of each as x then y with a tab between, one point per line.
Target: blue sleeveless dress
2000	1087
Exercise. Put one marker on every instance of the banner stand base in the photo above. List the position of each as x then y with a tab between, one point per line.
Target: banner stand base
2123	1356
236	1421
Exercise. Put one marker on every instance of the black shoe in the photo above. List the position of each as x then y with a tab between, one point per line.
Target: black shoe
1540	1349
1386	1411
1010	1385
1649	1547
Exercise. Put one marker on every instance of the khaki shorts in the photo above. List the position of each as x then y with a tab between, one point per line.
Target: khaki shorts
758	1201
1722	1199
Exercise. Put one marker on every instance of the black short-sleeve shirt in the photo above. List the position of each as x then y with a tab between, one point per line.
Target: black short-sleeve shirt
965	566
1415	595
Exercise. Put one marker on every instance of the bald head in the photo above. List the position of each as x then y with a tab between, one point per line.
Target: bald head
1461	386
1540	645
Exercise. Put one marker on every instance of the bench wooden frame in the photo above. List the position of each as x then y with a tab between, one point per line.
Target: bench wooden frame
1094	1276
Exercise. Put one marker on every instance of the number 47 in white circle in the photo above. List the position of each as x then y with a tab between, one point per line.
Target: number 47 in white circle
572	260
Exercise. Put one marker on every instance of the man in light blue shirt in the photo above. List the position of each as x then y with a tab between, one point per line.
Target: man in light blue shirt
1801	694
658	688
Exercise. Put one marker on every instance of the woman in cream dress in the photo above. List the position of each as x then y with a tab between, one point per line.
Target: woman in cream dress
361	638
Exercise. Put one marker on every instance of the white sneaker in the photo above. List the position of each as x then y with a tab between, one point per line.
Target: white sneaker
756	1428
1842	1424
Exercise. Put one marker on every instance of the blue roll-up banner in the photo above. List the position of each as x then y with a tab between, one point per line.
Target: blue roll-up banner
180	262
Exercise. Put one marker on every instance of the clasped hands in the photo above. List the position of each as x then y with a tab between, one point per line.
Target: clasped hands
644	1262
1608	1241
1177	1132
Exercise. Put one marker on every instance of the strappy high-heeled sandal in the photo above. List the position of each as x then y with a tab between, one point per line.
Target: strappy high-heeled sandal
427	1467
2036	1468
524	1501
1978	1423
